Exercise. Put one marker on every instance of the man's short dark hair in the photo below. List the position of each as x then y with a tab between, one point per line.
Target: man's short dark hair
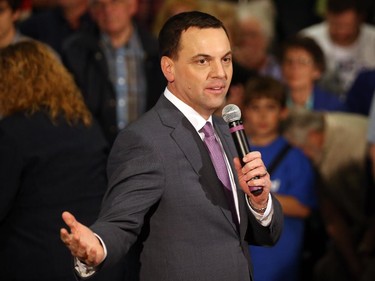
170	34
339	6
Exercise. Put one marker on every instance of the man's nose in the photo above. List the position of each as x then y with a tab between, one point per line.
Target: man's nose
217	69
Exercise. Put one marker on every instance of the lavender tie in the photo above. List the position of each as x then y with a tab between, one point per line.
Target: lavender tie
216	155
217	158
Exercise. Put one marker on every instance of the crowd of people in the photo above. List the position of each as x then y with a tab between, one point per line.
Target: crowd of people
109	108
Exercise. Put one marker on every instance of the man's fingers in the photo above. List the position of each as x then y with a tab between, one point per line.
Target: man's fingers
70	221
69	236
237	164
73	242
65	236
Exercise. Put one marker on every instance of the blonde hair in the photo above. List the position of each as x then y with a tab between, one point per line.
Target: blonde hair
32	79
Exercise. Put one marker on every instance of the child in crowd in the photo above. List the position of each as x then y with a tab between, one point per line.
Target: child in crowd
291	173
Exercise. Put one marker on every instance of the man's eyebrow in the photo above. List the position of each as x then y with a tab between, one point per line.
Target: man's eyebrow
208	56
200	56
228	53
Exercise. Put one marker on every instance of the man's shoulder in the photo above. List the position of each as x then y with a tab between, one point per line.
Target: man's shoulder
368	28
84	39
315	30
80	48
353	121
367	36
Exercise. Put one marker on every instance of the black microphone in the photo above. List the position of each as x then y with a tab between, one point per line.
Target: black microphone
232	115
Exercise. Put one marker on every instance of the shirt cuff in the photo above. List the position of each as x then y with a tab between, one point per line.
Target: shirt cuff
84	270
266	217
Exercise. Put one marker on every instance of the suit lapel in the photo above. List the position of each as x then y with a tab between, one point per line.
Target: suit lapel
227	141
196	153
182	131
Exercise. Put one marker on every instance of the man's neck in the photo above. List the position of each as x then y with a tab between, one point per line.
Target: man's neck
119	39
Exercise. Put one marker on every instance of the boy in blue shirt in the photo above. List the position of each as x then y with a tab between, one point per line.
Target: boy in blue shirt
292	178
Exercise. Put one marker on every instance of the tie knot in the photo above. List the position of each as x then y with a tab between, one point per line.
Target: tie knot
207	130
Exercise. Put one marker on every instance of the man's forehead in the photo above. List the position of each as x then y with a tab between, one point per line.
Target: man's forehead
204	38
200	34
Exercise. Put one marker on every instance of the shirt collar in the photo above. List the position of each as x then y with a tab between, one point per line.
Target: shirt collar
194	117
308	105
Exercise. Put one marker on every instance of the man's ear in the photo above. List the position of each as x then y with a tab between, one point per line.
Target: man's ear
167	66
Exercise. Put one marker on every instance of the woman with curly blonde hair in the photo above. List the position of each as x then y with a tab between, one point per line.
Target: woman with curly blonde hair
52	158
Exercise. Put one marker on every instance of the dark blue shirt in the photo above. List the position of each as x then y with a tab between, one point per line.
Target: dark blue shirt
294	176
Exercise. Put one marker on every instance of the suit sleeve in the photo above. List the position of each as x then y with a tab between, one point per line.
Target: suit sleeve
269	235
136	182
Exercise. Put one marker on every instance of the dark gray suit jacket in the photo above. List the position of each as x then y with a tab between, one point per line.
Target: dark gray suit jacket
166	209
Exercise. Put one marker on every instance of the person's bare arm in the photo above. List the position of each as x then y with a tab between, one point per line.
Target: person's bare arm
292	207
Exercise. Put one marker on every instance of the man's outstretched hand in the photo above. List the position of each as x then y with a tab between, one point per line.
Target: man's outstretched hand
81	241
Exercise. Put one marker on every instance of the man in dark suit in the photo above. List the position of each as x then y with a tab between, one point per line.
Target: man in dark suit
165	208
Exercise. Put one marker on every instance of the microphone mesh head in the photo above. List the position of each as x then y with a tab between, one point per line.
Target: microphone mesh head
231	113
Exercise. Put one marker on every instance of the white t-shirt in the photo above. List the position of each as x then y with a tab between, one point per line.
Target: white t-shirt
343	63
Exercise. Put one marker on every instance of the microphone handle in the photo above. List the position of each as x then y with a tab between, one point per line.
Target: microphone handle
242	145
